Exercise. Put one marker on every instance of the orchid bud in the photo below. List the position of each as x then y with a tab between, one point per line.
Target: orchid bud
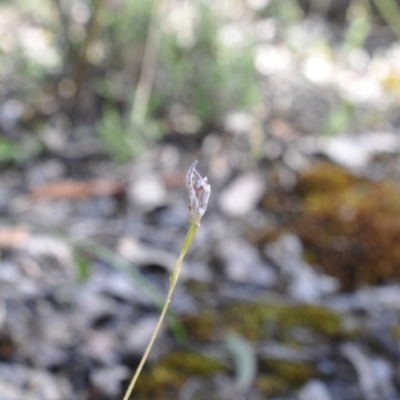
198	192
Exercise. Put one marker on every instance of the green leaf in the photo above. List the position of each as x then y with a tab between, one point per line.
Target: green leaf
82	266
8	150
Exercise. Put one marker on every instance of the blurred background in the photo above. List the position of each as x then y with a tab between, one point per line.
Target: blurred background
291	289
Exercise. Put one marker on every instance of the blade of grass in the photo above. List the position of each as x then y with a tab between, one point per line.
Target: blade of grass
390	11
149	63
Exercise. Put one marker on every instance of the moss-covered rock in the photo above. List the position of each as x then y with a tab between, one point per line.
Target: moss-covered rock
257	321
278	376
165	378
293	374
271	385
350	227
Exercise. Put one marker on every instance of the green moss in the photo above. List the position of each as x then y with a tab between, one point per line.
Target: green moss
164	379
314	318
271	385
278	376
349	226
253	321
324	178
191	363
200	327
246	319
291	373
395	331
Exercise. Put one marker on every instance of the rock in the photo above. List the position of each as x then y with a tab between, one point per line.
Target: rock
101	346
375	375
273	60
314	390
109	380
197	271
44	354
10	185
137	336
375	299
383	372
356	151
243	194
43	247
243	264
37	384
142	254
361	363
273	149
147	192
295	160
304	283
93	305
116	285
45	172
239	122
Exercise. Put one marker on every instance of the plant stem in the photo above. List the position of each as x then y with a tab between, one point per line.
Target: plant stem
149	64
172	284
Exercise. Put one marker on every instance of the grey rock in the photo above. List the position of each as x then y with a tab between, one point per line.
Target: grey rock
147	192
109	379
355	152
239	122
101	346
243	264
242	194
45	172
367	380
19	382
314	390
304	283
136	337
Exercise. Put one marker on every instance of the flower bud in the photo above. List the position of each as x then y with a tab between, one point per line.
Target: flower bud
198	192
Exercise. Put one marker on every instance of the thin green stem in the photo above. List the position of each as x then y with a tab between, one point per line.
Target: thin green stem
172	284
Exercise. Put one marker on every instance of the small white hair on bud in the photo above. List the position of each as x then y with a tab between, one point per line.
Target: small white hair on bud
199	191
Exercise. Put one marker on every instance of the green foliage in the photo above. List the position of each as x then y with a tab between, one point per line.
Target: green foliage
288	11
82	266
207	78
13	153
359	26
129	24
121	140
8	150
390	11
339	119
113	134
